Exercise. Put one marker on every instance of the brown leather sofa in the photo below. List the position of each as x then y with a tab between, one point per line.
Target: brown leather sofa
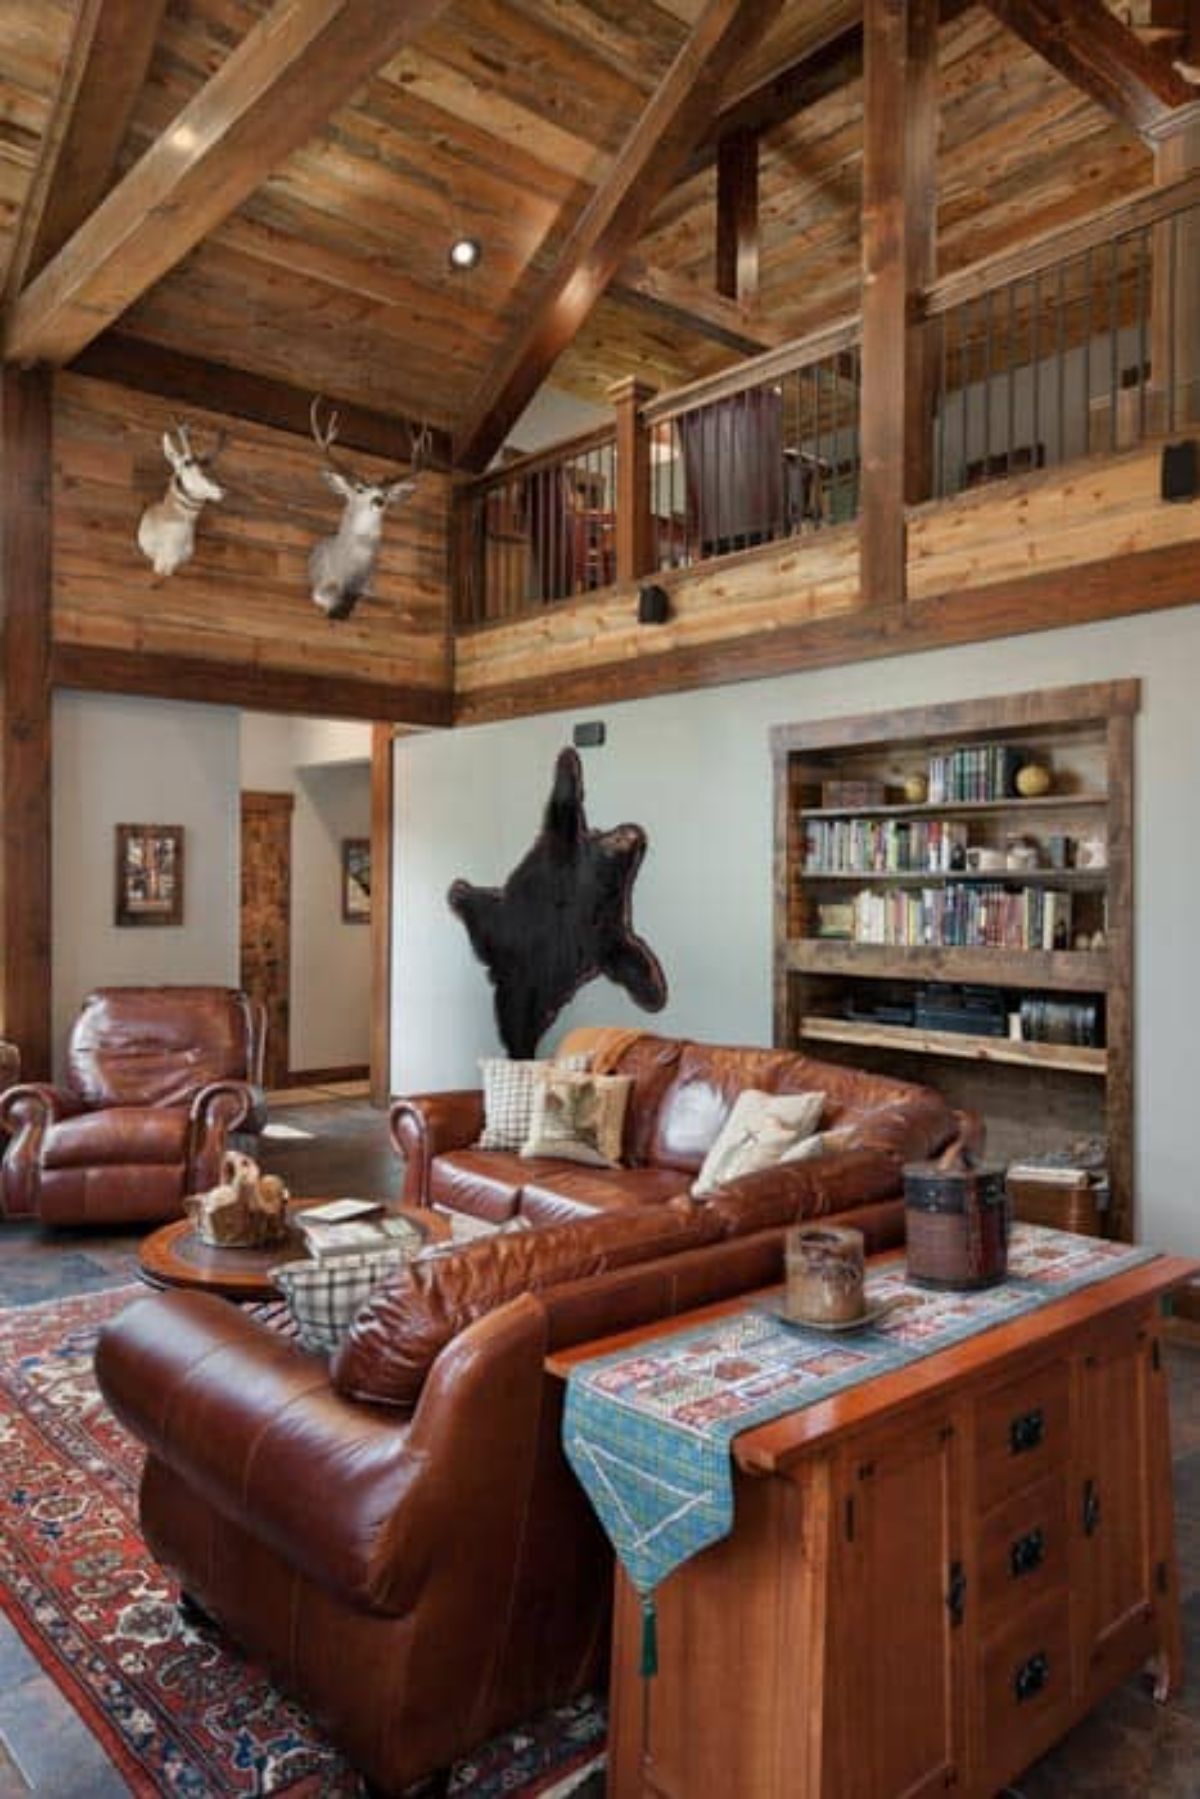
398	1536
681	1095
157	1078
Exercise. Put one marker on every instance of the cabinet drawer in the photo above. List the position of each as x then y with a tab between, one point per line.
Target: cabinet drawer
1021	1433
1026	1686
1022	1551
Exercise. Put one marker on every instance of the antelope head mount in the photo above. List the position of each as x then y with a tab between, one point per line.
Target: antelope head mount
340	567
167	530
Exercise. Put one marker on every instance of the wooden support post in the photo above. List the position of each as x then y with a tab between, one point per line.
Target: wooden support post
633	517
25	526
383	826
1173	401
898	249
737	217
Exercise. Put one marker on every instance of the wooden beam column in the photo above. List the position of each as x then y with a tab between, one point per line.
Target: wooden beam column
25	529
1174	397
898	250
383	827
737	217
633	516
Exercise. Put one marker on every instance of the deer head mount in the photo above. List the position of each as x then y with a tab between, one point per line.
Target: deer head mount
167	530
340	567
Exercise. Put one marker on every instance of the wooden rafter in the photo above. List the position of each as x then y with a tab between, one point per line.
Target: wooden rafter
280	84
737	216
684	302
1102	57
103	74
614	218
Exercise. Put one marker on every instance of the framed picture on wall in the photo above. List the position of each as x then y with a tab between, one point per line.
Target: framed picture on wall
149	874
356	880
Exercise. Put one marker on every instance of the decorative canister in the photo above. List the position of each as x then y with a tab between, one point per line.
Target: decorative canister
824	1273
956	1223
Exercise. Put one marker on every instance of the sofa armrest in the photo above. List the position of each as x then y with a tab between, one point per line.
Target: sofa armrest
424	1125
792	1192
35	1103
27	1111
222	1105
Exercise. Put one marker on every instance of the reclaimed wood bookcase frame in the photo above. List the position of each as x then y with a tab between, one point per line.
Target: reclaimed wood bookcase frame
1086	733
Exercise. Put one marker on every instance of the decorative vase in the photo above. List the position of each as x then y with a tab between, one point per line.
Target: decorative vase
1033	780
916	789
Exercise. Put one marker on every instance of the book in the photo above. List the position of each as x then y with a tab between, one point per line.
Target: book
340	1211
324	1240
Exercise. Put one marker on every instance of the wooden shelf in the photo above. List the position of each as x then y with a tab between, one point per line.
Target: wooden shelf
1065	970
1050	802
1068	1058
1009	877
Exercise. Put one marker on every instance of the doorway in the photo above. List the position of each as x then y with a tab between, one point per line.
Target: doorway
266	920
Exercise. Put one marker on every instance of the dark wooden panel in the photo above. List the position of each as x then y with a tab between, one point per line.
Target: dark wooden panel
25	550
383	815
266	920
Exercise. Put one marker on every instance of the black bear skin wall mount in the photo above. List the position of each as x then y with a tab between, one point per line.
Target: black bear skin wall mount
563	917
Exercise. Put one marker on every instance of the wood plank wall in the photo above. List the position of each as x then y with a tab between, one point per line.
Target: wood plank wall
243	599
1058	546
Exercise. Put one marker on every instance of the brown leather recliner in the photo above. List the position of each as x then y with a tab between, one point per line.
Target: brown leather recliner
156	1079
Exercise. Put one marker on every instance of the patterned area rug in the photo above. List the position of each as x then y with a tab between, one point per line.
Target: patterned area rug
177	1710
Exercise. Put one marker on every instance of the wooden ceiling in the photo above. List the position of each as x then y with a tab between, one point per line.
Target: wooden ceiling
501	119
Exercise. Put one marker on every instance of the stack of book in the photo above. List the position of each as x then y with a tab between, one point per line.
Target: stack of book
883	846
350	1226
979	771
975	915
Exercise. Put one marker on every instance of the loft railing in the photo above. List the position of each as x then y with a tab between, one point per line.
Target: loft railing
538	530
1084	342
761	452
1081	342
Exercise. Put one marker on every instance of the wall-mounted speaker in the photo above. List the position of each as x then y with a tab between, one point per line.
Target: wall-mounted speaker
1180	470
654	606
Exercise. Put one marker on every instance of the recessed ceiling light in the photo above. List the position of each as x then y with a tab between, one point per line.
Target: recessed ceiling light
465	252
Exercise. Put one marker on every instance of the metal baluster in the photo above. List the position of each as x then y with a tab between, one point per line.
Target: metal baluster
964	370
1143	254
1114	348
857	359
943	393
1011	359
1035	370
987	381
1172	285
1089	270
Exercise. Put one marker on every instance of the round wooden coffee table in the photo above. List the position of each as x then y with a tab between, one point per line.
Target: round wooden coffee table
176	1257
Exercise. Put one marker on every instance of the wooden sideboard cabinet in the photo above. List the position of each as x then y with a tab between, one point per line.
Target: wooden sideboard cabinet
930	1578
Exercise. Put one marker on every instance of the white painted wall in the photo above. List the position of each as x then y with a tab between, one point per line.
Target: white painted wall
135	761
325	764
694	770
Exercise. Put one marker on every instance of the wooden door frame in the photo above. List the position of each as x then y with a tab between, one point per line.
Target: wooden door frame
267	800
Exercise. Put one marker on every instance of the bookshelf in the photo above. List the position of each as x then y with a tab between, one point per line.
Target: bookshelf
881	927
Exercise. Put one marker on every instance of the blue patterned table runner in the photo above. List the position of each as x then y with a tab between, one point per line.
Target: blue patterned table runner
648	1430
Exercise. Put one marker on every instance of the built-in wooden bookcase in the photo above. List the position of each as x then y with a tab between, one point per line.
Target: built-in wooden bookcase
848	1000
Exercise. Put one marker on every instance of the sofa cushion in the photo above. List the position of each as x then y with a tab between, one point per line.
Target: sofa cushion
509	1093
151	1134
410	1318
579	1117
573	1192
761	1129
651	1062
322	1297
699	1099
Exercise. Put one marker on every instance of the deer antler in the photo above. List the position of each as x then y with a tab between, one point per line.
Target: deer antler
219	442
419	442
327	437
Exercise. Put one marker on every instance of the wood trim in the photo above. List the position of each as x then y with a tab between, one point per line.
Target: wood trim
1102	57
1143	581
219	387
383	828
1095	700
612	221
102	77
260	800
245	684
1143	209
278	86
1119	1022
569	448
26	485
323	1077
799	352
737	216
633	518
684	302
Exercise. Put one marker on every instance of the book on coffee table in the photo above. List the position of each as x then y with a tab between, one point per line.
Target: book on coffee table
379	1230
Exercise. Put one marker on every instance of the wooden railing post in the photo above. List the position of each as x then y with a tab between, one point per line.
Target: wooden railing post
898	252
633	519
25	503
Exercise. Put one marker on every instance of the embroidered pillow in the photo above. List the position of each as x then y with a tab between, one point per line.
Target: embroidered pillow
579	1117
322	1297
508	1092
761	1130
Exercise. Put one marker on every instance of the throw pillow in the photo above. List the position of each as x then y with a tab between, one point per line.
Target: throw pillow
322	1297
578	1117
508	1093
761	1130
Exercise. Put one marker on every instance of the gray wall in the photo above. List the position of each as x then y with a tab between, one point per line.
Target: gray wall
694	770
135	761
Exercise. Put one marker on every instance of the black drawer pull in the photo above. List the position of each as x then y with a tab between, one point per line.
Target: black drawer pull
956	1592
1031	1676
1027	1553
1026	1431
1091	1508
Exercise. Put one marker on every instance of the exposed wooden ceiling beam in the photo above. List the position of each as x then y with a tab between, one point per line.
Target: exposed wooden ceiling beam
103	74
217	387
779	96
278	87
737	216
613	219
684	302
1102	57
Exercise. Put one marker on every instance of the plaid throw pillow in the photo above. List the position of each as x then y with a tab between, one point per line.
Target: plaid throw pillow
508	1095
323	1297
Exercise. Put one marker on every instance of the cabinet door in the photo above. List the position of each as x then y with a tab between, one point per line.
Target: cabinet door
896	1603
1116	1570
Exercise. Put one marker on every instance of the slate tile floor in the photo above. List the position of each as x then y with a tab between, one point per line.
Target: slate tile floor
1128	1746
